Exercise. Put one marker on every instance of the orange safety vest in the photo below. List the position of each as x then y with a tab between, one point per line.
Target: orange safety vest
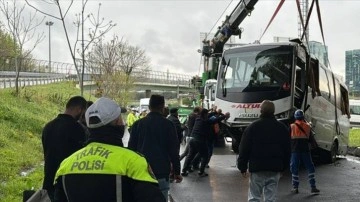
297	133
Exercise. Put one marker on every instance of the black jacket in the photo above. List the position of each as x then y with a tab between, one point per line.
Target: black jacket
191	121
264	146
155	137
60	138
102	187
178	126
203	128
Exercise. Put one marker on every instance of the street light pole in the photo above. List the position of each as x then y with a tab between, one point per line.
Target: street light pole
49	23
82	48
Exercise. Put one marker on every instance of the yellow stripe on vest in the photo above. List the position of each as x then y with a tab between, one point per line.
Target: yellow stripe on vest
98	158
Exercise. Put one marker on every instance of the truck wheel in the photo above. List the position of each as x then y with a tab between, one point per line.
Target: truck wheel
331	155
235	134
235	145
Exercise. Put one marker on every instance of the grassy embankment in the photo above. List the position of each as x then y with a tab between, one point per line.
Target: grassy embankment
21	122
354	137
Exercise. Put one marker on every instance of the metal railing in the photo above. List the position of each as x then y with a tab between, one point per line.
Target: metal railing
10	82
60	69
158	77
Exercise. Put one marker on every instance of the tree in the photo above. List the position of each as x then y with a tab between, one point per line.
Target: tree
23	31
106	56
115	86
132	58
117	59
97	29
7	50
7	45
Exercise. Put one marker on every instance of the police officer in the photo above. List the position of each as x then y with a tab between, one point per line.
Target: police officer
104	171
131	118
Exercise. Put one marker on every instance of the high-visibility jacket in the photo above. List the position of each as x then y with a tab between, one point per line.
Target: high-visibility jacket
300	138
131	118
103	172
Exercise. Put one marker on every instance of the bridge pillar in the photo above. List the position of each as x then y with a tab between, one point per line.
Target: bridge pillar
147	93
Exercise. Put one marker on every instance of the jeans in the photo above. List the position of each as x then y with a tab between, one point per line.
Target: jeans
264	182
294	168
164	186
187	148
210	148
196	147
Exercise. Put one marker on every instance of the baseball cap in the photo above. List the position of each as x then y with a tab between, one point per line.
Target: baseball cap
105	109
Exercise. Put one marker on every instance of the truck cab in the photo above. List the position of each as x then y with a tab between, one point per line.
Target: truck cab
209	93
144	104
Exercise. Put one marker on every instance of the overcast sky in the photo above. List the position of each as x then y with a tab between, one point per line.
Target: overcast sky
169	31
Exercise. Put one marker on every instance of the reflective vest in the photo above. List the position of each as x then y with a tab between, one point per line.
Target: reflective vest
98	158
131	118
297	133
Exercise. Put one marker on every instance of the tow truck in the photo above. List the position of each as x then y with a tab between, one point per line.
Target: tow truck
284	73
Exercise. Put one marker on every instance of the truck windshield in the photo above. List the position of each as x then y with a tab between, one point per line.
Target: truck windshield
258	68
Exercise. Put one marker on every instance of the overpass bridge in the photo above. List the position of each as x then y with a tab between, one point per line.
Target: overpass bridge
146	81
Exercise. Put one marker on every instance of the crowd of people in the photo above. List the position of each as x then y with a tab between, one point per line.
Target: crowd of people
85	158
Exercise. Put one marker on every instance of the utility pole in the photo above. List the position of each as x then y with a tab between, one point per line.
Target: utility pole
49	23
82	49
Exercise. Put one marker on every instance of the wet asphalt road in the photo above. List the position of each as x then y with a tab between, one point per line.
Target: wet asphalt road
337	182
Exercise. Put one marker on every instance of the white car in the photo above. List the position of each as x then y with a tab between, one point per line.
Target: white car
354	113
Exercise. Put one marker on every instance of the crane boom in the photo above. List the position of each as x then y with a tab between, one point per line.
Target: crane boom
212	49
228	28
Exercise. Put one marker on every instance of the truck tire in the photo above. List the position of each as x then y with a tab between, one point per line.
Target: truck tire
235	134
330	156
235	145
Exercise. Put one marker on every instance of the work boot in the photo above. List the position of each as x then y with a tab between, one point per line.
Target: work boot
202	174
295	190
184	173
314	190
